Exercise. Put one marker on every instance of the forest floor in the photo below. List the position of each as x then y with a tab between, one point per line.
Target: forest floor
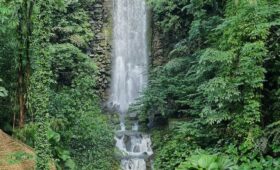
15	155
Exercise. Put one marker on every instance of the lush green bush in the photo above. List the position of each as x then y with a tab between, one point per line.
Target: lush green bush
202	160
170	151
207	161
64	121
219	81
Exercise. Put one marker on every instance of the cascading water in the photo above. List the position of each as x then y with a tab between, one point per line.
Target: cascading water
129	78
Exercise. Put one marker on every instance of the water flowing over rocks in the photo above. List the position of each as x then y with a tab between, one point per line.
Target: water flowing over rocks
129	78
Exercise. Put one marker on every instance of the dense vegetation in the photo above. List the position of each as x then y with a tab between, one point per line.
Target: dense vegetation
215	100
48	91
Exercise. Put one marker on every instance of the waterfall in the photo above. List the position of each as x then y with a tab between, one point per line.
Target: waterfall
130	52
129	78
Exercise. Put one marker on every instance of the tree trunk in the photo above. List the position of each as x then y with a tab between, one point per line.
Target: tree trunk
21	92
24	71
21	99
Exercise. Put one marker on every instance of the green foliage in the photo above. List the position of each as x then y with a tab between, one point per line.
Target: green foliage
3	91
219	81
40	81
27	134
18	157
8	52
64	120
272	132
97	136
173	145
219	89
75	110
72	26
208	162
264	163
77	132
170	151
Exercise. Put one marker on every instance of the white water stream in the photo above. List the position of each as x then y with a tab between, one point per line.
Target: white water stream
129	78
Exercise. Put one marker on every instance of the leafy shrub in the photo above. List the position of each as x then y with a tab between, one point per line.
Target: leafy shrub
204	161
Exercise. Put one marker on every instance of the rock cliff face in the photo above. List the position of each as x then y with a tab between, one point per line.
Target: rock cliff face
160	45
101	21
101	45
